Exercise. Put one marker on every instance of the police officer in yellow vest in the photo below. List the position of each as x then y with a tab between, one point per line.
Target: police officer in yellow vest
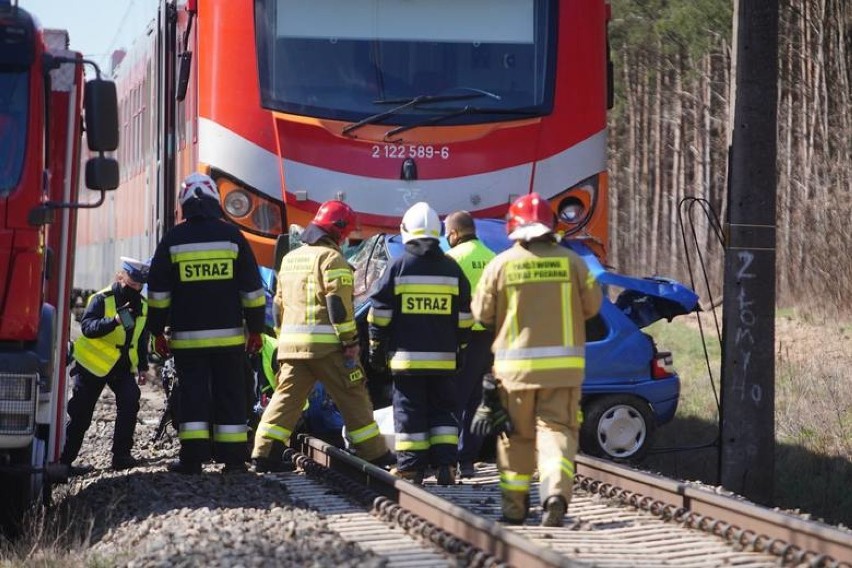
112	351
536	296
472	256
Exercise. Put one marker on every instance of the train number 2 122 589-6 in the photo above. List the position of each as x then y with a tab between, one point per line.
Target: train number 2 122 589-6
410	151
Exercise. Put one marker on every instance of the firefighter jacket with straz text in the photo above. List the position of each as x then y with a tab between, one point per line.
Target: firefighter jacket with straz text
536	297
204	283
420	311
313	300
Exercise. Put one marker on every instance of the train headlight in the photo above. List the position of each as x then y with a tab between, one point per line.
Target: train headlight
571	210
237	203
250	209
576	205
267	218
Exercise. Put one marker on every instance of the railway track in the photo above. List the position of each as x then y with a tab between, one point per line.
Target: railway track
618	517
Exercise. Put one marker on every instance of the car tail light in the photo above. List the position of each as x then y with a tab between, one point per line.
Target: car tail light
662	366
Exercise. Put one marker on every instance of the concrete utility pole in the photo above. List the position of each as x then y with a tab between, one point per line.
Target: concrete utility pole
747	461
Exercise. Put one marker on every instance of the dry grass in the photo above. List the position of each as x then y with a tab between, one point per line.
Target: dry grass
52	538
813	412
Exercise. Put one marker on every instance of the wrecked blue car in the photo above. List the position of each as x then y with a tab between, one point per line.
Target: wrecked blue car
631	387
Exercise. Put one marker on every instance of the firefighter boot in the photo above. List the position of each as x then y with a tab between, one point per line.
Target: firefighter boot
446	475
553	511
185	468
270	465
386	460
412	475
515	505
123	462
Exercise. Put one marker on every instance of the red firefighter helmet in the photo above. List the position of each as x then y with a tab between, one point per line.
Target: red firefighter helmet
529	217
335	218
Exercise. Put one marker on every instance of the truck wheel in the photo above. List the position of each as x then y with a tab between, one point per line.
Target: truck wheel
617	427
20	493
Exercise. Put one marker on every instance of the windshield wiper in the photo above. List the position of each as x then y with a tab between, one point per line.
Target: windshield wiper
408	103
452	113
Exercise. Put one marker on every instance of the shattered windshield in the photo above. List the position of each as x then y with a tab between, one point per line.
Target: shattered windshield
368	260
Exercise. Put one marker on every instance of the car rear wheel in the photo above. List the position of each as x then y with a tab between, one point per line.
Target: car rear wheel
617	427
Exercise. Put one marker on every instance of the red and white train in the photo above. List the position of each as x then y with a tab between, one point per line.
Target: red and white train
382	103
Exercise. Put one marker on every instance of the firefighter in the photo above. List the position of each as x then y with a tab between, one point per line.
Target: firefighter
205	285
418	321
318	341
536	297
112	351
472	256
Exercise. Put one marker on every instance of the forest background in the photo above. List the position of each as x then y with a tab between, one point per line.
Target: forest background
669	137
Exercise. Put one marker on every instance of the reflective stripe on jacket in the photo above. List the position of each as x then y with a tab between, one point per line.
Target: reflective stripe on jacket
204	283
536	297
99	355
420	311
309	275
473	256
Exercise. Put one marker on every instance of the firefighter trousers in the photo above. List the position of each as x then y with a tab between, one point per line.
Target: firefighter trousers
546	420
424	416
478	360
86	392
348	390
213	415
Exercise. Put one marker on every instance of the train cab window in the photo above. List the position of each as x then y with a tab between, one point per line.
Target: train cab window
372	53
14	89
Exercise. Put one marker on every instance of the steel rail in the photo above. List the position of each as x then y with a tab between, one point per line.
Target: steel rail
726	515
481	533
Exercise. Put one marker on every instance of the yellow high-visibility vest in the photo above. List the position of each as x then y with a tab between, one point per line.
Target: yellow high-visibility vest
99	355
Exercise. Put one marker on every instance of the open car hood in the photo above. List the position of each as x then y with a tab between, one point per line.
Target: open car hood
643	300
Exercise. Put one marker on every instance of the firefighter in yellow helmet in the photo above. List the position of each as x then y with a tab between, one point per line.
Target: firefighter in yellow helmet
318	341
536	297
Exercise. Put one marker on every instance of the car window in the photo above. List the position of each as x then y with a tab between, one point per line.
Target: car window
596	328
368	259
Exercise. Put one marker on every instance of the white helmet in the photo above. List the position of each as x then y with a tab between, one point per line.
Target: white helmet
420	222
198	185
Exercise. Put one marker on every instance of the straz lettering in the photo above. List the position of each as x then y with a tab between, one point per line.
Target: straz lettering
426	304
537	270
195	270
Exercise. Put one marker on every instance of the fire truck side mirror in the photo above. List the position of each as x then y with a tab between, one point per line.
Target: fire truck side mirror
101	173
101	104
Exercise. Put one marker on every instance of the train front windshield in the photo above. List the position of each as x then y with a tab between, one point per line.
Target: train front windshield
351	59
14	86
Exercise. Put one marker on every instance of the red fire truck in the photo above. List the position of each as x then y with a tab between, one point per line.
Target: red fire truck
42	103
